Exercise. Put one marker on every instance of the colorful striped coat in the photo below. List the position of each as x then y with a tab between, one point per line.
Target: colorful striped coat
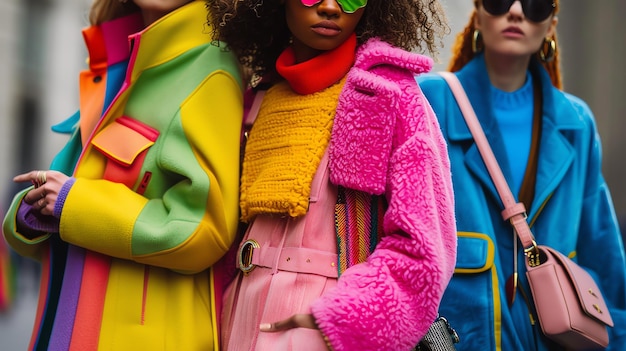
155	201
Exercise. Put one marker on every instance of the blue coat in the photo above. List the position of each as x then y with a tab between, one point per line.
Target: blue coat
572	211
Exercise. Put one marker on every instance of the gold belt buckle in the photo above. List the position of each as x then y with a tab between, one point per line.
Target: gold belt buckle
244	256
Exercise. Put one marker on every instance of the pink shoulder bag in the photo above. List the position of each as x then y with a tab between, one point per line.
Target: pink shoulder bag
568	302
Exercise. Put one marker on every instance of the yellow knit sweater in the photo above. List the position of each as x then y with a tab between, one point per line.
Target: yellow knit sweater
285	147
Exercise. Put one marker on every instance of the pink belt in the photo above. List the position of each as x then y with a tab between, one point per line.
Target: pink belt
291	259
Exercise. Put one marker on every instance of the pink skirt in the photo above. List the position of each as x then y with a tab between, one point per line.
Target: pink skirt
293	261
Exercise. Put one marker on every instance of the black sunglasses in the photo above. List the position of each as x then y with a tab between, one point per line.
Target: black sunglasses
534	10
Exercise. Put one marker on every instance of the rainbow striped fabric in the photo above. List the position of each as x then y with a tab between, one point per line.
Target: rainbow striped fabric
358	225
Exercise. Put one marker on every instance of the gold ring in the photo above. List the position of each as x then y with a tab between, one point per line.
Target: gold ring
41	178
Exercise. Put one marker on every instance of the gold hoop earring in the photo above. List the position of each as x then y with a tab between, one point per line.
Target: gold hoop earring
476	45
548	50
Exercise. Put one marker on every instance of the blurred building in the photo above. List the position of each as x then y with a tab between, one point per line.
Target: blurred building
41	53
594	50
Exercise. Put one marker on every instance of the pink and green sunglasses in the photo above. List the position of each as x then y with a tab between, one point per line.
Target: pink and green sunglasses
348	6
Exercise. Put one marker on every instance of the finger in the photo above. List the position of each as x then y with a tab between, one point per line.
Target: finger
305	321
37	178
35	195
267	327
32	197
295	321
25	177
47	209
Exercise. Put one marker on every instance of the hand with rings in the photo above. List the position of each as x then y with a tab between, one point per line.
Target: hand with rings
47	185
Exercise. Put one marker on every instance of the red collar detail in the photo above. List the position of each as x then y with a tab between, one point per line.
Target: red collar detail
319	72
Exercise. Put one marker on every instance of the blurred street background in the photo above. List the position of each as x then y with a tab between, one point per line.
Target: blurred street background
42	52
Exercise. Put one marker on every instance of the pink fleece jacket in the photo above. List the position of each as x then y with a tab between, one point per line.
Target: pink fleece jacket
386	140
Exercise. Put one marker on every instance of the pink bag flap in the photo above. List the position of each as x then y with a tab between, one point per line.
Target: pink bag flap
591	298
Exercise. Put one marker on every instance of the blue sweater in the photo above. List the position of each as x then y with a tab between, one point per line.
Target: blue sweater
514	114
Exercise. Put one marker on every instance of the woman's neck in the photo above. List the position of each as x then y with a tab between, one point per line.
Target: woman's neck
507	73
150	17
303	52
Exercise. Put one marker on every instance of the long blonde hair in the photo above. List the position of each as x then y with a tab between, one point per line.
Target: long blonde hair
106	10
462	51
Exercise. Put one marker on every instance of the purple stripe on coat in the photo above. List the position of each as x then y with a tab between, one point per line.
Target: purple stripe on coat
68	301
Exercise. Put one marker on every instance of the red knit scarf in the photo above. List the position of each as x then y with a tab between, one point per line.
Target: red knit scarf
319	72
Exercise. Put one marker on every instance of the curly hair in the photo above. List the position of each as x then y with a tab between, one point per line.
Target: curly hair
462	52
247	28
